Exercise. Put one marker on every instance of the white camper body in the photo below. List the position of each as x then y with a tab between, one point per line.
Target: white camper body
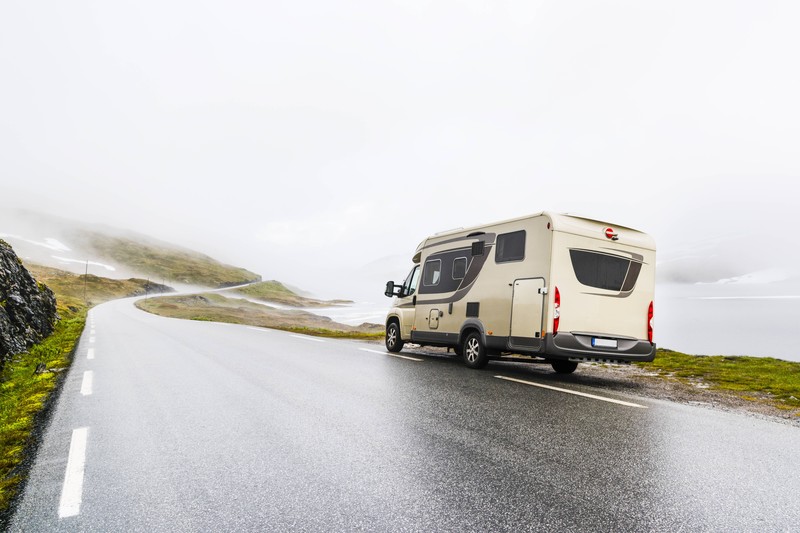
561	288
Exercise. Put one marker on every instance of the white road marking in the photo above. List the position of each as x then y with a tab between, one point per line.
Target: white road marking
90	353
258	329
576	393
305	337
373	351
72	490
392	354
86	385
91	340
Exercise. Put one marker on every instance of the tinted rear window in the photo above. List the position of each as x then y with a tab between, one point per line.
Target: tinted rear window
603	271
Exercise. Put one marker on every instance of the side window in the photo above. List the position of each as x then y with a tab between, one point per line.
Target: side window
510	247
432	273
410	284
459	267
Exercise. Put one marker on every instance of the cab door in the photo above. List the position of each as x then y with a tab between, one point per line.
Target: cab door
527	308
407	303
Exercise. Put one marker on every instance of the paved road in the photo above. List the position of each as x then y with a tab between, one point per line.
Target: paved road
194	426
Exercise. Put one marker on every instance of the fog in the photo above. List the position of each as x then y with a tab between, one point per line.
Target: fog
318	143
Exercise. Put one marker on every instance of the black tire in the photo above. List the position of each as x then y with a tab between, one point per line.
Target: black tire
564	367
393	341
474	352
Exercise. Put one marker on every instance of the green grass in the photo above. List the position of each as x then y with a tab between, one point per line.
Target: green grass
277	292
212	307
25	393
777	379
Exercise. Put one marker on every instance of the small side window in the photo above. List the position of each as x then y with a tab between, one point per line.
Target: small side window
410	284
510	247
459	267
432	273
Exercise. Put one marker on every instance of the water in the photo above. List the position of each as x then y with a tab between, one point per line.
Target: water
759	320
728	321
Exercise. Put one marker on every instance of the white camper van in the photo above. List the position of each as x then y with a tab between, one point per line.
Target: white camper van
561	288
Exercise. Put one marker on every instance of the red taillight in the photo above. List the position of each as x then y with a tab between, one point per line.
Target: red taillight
556	310
650	323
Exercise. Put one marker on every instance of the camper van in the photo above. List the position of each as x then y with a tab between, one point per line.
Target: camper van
561	289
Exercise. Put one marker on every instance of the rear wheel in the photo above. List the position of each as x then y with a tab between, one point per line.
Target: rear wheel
393	341
474	352
564	367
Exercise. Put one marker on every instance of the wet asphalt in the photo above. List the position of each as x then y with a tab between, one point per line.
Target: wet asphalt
197	426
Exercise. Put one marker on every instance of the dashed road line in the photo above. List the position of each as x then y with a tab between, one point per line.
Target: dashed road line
576	393
86	385
392	355
90	353
307	338
72	490
91	340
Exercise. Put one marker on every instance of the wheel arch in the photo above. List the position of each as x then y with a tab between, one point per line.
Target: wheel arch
469	326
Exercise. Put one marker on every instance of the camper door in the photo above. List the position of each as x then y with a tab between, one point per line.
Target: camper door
526	314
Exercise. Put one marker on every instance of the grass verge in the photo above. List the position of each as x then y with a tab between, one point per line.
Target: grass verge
25	396
753	378
277	292
211	307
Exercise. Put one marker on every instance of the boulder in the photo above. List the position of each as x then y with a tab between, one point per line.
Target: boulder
27	308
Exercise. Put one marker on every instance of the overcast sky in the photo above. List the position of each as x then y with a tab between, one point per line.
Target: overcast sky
304	139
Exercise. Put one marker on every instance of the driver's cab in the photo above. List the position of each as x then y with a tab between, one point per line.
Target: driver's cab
403	307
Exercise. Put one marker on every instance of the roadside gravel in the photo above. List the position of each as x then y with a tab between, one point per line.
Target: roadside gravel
631	379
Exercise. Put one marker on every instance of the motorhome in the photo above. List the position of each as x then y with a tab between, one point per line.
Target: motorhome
558	289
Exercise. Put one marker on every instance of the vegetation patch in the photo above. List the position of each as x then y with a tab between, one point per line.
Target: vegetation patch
753	378
277	292
26	384
219	308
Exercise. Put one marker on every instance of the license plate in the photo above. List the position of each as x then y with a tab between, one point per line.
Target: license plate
604	343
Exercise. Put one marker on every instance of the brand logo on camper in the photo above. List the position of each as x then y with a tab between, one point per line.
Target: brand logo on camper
611	234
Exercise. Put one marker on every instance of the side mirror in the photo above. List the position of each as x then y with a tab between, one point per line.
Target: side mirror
392	289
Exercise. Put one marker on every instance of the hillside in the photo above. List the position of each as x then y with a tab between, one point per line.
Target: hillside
111	252
70	287
218	308
164	262
276	292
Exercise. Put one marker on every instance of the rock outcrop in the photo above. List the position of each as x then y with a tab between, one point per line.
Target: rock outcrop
27	308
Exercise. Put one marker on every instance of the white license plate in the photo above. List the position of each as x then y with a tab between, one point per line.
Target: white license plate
604	343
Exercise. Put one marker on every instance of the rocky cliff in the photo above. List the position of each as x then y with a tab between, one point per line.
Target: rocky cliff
27	308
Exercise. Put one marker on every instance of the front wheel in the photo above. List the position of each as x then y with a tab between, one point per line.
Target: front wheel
393	341
474	352
564	367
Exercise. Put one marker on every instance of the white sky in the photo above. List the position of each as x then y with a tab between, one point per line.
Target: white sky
305	140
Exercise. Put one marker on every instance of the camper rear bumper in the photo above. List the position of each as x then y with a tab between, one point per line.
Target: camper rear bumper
578	346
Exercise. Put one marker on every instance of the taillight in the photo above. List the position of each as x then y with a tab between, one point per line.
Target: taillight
650	323
556	310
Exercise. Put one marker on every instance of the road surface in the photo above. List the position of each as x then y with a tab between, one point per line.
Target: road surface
170	425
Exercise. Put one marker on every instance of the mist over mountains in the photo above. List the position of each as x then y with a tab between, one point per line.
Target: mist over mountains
110	252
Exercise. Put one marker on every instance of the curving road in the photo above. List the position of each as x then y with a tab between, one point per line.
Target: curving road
169	425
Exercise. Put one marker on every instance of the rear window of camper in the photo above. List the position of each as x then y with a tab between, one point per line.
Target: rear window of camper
604	271
510	247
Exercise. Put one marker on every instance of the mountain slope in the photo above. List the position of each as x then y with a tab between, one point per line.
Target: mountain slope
75	246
